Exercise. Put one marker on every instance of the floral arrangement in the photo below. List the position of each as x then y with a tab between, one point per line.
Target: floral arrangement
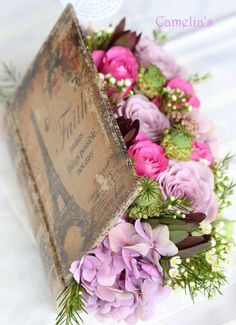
174	235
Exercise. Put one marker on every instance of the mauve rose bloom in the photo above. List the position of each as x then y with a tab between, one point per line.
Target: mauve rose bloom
191	180
187	88
120	62
201	152
148	52
152	120
206	131
149	158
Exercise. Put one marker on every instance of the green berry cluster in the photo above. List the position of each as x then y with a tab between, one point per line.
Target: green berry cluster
176	145
150	81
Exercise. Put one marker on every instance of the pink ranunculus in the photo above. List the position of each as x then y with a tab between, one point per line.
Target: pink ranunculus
120	62
201	152
192	180
97	56
187	88
152	120
149	158
148	52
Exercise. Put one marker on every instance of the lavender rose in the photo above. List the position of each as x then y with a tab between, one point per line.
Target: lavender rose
192	180
149	53
152	120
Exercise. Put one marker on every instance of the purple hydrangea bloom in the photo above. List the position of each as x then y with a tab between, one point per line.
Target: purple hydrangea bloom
120	278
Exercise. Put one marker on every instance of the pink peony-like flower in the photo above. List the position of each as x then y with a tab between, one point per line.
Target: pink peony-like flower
119	61
152	120
201	152
187	88
149	158
191	180
97	56
148	52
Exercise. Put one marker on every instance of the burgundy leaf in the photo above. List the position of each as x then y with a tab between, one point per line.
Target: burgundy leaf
117	31
127	39
190	241
195	217
128	129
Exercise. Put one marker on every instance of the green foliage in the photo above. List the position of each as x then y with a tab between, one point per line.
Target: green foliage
150	203
98	40
159	36
197	78
71	303
202	272
224	187
9	79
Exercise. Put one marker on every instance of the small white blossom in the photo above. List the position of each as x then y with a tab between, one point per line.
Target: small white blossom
175	261
112	80
127	82
206	228
229	248
210	257
213	242
101	76
120	83
174	273
216	267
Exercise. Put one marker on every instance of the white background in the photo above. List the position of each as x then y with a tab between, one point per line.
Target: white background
24	295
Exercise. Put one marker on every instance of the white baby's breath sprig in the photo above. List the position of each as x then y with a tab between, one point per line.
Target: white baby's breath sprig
206	228
174	273
175	262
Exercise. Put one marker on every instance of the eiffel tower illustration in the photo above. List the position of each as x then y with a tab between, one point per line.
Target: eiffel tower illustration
70	214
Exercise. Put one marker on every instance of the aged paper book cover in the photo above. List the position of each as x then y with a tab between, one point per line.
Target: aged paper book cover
68	151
